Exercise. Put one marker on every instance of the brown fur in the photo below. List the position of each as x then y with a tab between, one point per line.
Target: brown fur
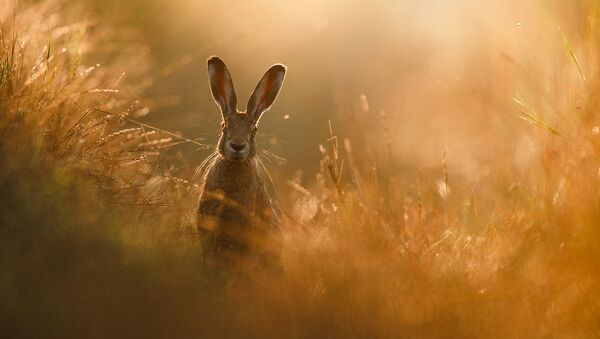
235	213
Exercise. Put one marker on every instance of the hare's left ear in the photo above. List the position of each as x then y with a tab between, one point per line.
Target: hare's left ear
266	91
221	86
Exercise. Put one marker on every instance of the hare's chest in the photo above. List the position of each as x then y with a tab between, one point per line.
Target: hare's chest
232	187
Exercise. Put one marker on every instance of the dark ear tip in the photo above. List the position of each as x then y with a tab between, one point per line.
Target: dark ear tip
215	60
279	68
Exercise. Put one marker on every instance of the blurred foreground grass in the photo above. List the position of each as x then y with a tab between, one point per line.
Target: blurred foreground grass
96	234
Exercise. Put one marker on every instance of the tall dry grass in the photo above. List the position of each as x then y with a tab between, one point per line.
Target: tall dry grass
96	238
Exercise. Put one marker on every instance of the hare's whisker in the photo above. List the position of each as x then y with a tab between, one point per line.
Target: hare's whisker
202	167
274	158
262	165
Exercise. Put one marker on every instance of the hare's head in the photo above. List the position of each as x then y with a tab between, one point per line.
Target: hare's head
238	129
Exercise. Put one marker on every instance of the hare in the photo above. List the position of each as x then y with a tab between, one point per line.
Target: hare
236	215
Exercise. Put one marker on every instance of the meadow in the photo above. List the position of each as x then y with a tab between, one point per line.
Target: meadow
437	164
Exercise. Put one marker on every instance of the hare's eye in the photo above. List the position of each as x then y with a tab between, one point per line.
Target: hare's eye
223	124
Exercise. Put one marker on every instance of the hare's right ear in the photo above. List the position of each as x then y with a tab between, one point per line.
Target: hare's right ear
221	86
266	91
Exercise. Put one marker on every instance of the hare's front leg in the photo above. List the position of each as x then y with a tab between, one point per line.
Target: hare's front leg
272	239
207	222
264	208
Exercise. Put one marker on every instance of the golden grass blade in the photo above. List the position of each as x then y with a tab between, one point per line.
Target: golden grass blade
174	135
528	114
572	54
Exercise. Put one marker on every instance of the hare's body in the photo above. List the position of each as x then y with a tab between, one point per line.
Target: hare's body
235	214
235	211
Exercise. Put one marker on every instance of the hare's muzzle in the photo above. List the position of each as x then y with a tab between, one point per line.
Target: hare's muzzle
237	149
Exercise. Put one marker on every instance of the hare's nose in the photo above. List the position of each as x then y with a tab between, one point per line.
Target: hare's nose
238	147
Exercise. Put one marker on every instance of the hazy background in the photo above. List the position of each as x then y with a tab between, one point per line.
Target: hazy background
468	207
444	71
